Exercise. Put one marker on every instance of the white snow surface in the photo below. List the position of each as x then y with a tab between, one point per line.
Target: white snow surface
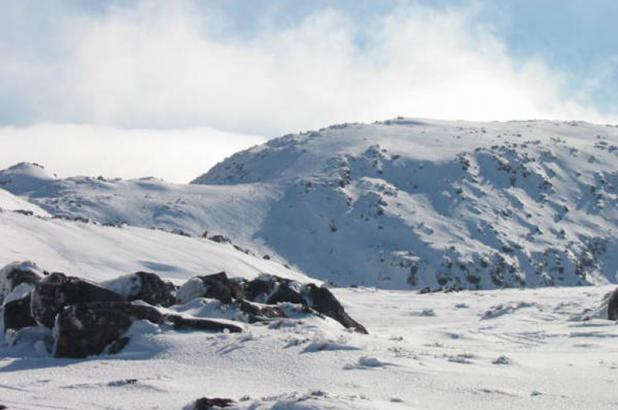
473	353
399	204
102	253
339	208
10	202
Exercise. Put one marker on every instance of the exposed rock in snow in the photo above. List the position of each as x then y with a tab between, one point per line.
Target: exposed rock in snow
18	278
57	290
17	314
146	286
612	306
86	329
267	290
216	286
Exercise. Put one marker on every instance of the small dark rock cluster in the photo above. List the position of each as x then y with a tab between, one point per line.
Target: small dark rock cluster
612	306
206	403
259	297
88	318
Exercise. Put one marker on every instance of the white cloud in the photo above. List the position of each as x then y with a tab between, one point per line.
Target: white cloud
174	155
165	64
151	76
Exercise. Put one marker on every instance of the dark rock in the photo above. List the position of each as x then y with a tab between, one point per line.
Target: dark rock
17	314
180	322
259	289
612	306
206	403
57	290
270	289
323	301
220	239
88	328
154	290
258	313
16	274
216	286
263	288
284	293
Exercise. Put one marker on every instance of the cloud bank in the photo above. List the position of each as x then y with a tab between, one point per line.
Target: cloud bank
68	150
170	64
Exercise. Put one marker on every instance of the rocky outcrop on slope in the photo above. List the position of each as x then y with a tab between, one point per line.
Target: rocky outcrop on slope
612	306
84	318
267	290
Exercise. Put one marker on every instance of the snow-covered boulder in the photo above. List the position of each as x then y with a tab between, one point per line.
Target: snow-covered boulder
252	296
58	290
16	314
216	286
146	286
89	328
18	279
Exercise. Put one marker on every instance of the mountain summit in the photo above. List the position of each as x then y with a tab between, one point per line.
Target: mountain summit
398	204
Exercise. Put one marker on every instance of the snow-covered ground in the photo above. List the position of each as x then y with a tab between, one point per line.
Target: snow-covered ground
104	252
507	349
400	204
391	207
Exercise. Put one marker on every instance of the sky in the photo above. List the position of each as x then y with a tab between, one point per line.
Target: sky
134	88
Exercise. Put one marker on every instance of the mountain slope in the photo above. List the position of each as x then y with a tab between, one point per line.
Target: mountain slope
398	204
10	202
441	204
101	252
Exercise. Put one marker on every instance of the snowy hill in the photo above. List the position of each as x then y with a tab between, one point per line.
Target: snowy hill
399	204
101	252
10	202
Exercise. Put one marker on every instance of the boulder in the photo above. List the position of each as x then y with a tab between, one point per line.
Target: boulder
17	314
180	322
16	274
91	328
323	301
284	293
87	329
206	403
216	286
271	290
58	290
145	286
612	306
257	312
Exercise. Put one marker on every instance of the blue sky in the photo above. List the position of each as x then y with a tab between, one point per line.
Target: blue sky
268	67
571	40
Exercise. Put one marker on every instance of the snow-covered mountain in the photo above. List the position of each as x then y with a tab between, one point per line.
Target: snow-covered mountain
398	204
104	252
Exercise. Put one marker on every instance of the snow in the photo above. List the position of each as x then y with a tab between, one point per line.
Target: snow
541	356
10	202
102	253
389	207
399	204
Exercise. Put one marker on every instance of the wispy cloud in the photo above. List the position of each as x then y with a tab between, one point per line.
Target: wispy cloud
166	65
174	155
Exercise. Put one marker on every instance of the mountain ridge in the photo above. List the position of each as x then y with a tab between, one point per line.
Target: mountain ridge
399	204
